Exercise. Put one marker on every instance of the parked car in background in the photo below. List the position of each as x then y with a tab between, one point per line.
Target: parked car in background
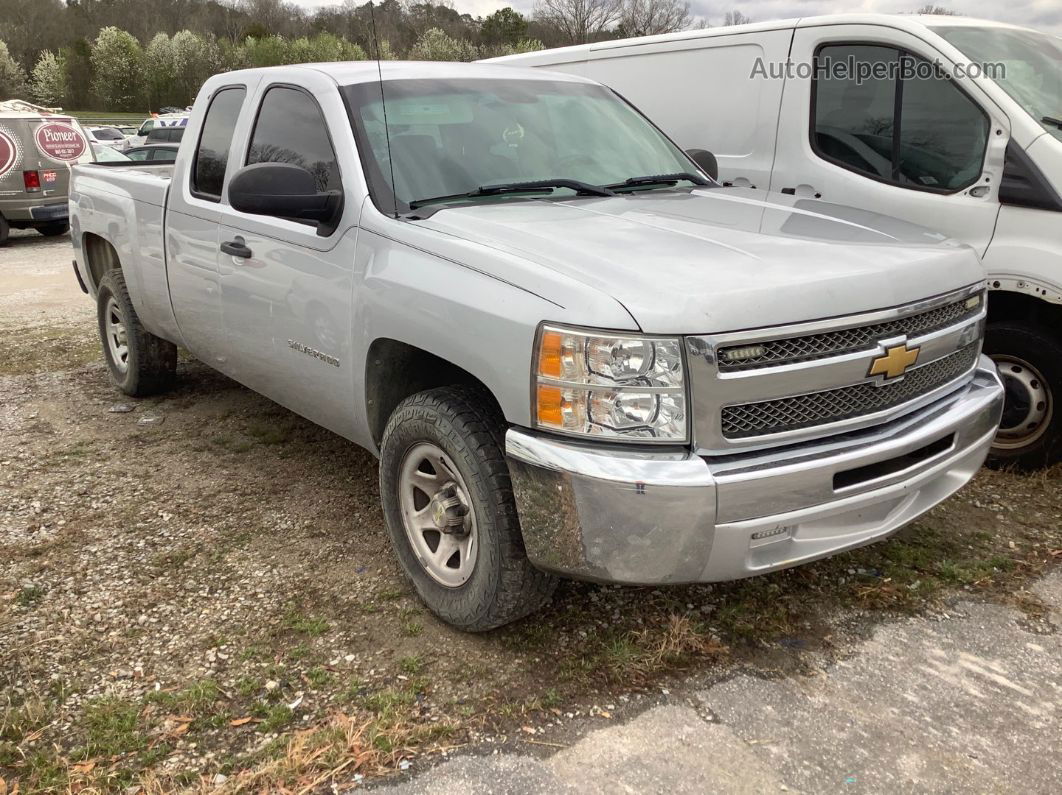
573	351
178	119
155	153
164	135
107	136
108	154
977	155
37	147
128	132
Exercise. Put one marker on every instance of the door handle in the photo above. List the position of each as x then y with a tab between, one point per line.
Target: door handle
236	248
805	191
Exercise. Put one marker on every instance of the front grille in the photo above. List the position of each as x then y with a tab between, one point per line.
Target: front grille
849	340
834	405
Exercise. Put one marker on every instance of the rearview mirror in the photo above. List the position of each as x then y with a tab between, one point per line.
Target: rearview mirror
284	190
706	160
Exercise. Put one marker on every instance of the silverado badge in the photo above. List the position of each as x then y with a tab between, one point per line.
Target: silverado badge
894	362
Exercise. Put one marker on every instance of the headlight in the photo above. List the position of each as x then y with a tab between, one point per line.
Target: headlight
610	385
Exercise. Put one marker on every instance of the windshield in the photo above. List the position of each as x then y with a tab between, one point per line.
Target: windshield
106	134
1032	61
450	137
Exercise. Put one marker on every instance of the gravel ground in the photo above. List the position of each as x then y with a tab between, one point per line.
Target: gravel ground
197	591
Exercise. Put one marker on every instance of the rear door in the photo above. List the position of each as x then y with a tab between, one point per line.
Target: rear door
883	124
192	219
287	304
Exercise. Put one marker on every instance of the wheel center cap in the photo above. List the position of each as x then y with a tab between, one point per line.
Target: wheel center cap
447	511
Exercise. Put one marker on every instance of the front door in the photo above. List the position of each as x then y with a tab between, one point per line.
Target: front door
286	287
877	126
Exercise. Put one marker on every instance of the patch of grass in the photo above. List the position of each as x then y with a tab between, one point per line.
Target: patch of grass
305	624
197	700
318	677
247	686
49	349
112	728
269	432
412	628
413	664
273	718
29	595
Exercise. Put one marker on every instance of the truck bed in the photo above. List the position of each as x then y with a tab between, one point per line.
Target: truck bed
142	182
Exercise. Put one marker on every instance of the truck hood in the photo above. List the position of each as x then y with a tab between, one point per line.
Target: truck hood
715	260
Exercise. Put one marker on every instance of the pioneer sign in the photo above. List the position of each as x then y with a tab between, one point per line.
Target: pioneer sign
60	142
8	152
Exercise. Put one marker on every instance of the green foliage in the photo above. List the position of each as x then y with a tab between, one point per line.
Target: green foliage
118	63
504	26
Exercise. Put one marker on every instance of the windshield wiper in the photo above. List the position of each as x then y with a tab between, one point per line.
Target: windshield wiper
535	186
1052	120
660	179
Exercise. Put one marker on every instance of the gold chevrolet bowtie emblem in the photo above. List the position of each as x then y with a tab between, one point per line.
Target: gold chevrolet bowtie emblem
894	362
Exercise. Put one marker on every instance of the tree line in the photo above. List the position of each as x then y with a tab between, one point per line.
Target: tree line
148	54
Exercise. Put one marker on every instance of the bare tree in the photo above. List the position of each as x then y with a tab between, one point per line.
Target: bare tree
940	11
736	18
579	20
649	17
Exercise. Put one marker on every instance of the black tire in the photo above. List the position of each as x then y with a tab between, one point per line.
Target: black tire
1029	358
503	585
5	230
150	363
54	230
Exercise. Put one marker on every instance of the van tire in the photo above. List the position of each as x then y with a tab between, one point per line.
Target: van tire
1029	358
146	364
54	230
461	422
5	230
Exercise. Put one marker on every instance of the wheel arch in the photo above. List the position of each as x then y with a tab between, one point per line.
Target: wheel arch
100	257
1006	305
395	370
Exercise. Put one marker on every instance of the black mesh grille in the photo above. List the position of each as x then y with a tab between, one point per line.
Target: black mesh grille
849	340
820	408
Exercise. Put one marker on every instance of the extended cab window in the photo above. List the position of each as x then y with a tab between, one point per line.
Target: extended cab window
291	129
212	154
894	118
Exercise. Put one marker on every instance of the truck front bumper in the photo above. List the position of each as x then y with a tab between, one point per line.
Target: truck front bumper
643	517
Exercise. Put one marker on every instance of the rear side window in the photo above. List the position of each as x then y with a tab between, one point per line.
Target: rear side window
212	154
291	129
896	120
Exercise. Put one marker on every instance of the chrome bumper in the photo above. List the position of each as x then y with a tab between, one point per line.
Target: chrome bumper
617	515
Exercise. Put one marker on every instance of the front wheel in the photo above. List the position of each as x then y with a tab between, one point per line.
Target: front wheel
450	512
1029	359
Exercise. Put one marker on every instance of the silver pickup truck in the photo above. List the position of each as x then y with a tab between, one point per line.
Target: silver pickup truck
573	352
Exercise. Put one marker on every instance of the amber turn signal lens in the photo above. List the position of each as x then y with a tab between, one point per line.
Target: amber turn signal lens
550	405
550	352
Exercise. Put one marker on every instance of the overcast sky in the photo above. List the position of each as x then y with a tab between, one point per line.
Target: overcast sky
1043	15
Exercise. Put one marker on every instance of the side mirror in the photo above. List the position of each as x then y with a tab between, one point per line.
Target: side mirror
284	190
706	160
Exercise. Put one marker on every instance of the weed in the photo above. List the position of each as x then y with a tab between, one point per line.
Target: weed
111	728
29	595
306	625
412	664
412	628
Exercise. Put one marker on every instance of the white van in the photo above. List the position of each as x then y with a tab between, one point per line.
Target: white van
912	131
156	122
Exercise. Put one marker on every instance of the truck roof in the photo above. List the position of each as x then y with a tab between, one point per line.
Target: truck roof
913	23
349	72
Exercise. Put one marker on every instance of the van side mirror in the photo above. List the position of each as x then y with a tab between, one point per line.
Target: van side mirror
706	160
284	190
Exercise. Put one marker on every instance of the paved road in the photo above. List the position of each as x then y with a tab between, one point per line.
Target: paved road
971	703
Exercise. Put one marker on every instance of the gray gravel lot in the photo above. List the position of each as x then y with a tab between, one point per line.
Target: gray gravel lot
196	592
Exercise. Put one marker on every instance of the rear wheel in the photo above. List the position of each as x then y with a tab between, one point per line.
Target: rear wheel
1029	359
140	363
450	512
54	230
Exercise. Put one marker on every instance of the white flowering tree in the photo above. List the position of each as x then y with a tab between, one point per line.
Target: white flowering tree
48	80
118	64
12	76
435	45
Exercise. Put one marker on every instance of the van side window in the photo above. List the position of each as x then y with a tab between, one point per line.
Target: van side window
895	119
291	129
212	154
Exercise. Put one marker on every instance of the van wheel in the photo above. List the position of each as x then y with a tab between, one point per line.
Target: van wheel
54	230
140	363
5	230
449	507
1029	359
